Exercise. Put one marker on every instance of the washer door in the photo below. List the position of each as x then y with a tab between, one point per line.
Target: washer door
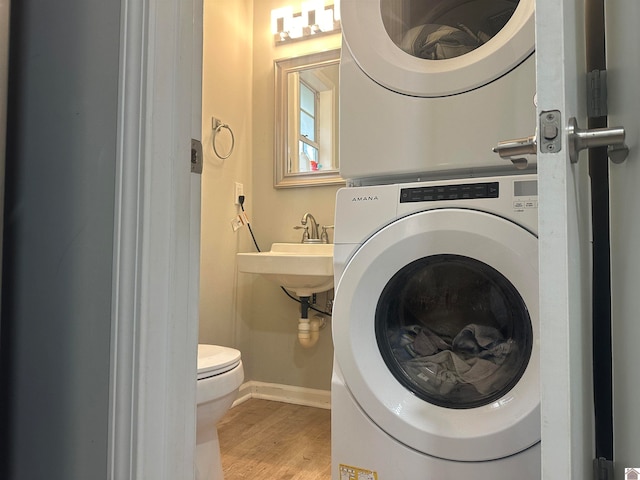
433	48
436	333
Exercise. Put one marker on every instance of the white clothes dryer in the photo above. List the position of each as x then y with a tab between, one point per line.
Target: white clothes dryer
433	85
436	331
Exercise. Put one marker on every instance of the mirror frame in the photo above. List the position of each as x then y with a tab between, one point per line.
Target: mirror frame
282	178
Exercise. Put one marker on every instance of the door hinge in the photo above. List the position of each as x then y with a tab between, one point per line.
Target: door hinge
196	156
602	469
597	93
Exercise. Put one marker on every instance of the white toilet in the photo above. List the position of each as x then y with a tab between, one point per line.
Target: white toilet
220	375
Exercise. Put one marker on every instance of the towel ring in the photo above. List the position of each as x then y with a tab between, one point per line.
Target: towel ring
217	125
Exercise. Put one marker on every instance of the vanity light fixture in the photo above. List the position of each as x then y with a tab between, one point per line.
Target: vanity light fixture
316	18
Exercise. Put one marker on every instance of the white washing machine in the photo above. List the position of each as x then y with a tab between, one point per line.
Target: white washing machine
431	86
436	331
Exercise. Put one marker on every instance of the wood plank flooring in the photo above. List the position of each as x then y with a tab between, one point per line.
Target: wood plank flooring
267	440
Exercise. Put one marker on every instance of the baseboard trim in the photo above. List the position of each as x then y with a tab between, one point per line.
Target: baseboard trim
309	397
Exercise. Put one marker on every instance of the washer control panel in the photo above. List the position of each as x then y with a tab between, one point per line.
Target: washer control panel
525	195
467	191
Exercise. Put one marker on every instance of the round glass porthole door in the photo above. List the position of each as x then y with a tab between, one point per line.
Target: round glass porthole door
454	331
434	48
439	30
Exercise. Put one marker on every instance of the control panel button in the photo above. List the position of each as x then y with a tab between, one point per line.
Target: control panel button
450	192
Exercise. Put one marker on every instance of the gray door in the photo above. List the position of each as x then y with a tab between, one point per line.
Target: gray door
623	39
4	67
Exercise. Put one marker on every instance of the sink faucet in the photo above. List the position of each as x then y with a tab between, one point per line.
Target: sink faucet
310	234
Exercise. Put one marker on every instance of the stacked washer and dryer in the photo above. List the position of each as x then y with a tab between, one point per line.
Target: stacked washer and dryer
435	319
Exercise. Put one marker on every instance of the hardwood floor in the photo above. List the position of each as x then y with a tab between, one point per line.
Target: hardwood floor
266	440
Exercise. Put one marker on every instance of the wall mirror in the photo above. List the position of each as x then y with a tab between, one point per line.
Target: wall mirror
306	120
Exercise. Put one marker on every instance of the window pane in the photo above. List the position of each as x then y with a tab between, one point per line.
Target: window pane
307	126
310	151
307	99
308	157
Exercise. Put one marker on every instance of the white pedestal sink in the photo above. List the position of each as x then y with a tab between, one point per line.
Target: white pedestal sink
303	268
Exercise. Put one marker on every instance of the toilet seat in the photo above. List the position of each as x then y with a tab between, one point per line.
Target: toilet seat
214	360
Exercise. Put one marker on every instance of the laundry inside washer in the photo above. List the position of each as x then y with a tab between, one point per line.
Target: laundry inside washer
454	331
440	30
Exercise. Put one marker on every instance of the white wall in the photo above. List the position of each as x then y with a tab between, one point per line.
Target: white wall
272	319
238	309
226	95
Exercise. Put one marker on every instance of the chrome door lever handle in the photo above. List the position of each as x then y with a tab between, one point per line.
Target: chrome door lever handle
577	139
613	138
512	149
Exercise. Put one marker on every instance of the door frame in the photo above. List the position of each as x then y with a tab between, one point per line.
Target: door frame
156	246
565	249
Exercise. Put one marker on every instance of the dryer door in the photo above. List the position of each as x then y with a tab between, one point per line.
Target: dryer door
433	48
436	333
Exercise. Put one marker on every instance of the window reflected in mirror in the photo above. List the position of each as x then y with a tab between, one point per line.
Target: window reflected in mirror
306	123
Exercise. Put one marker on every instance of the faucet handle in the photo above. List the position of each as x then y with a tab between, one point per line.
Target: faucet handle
305	234
324	236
